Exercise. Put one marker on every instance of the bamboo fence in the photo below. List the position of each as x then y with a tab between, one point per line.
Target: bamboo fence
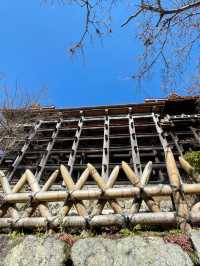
74	195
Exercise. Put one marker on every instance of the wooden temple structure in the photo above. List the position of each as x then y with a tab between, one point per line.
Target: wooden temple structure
104	136
101	164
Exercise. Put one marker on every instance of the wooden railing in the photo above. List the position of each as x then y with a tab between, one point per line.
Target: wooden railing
74	195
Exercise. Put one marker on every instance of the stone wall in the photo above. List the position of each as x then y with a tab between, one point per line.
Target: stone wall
97	251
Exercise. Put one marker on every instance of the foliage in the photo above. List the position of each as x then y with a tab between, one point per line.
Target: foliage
194	159
16	234
185	243
69	239
126	232
182	240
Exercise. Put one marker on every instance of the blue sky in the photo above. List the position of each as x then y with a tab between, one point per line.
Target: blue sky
34	52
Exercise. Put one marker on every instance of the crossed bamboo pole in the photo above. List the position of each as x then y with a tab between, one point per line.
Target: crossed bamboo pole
74	195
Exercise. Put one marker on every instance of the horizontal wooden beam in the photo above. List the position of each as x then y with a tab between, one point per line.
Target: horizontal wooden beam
111	193
159	218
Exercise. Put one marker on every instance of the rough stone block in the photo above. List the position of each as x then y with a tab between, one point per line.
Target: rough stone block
32	250
136	251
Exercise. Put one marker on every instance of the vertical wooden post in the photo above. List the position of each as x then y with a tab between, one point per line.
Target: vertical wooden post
178	197
134	145
105	158
160	131
175	140
48	151
72	155
23	150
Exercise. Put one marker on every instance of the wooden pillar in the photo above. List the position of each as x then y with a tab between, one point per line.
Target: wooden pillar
48	151
23	150
72	155
134	145
105	158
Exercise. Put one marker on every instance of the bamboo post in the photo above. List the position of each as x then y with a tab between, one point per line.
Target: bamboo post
6	188
4	183
71	187
196	177
102	185
21	182
178	197
109	184
152	205
146	173
189	169
29	211
19	185
82	179
113	177
144	180
17	188
96	176
50	181
33	183
196	208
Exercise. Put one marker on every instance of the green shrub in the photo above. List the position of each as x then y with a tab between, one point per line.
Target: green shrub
194	159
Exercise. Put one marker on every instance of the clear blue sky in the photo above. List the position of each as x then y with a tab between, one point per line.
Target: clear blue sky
33	51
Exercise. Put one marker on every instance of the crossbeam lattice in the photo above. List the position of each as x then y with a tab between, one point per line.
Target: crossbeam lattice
103	141
74	196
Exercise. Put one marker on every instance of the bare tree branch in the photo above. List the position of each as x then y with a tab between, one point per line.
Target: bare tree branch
132	17
15	108
160	10
169	31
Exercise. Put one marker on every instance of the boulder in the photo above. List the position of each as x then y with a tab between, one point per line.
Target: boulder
134	251
32	250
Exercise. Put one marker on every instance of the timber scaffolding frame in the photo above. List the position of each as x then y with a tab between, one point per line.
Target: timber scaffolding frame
105	137
119	150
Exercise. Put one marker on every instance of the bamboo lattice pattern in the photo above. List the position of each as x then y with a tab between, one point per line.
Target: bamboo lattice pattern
74	195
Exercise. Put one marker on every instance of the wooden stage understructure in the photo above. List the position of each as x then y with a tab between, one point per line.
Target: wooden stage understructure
104	155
